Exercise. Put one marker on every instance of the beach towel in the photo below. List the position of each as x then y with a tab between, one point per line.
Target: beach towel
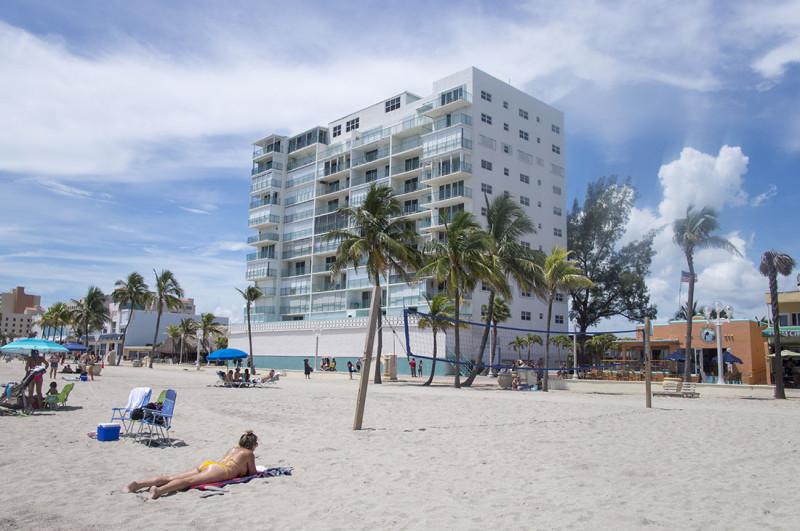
266	473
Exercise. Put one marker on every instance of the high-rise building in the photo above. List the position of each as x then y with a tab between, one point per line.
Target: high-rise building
18	311
473	136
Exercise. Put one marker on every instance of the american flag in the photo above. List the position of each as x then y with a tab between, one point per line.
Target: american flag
685	276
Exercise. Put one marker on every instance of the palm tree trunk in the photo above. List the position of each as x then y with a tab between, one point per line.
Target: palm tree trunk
124	335
777	361
155	337
433	363
689	318
249	338
374	313
457	379
378	330
477	368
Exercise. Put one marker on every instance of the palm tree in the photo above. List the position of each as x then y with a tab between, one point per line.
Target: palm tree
380	235
501	312
506	223
188	328
166	293
209	326
690	233
681	314
561	341
131	292
250	294
518	344
440	311
91	312
62	317
459	261
173	333
221	342
530	340
774	263
559	274
46	323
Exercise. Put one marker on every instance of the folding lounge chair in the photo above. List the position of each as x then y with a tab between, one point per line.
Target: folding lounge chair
139	397
271	382
61	398
158	422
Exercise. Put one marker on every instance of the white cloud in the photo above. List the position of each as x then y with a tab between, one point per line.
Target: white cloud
762	198
193	210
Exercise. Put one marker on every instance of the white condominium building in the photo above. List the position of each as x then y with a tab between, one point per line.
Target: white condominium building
473	135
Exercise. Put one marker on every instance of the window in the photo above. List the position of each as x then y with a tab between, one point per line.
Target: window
506	193
537	119
491	143
557	232
486	96
505	126
539	182
483	310
559	319
539	161
525	157
484	287
540	204
486	165
556	129
557	211
559	297
540	226
523	113
523	134
525	316
538	140
506	149
525	293
524	201
524	178
555	149
525	245
486	188
505	104
505	172
558	170
486	118
393	104
557	190
351	125
337	130
483	211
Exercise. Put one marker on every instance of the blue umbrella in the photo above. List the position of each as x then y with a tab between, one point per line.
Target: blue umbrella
727	357
75	346
24	346
676	356
227	354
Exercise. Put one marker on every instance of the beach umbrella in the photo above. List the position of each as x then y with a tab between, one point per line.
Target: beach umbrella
75	346
24	346
676	356
227	354
727	357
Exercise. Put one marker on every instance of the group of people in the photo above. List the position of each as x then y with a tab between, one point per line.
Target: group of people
415	366
329	364
36	359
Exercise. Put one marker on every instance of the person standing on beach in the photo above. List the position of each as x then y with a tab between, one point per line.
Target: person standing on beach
54	365
350	369
413	365
90	365
307	369
358	365
35	360
419	369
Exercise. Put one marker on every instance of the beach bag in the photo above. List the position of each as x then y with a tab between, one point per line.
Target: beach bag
137	414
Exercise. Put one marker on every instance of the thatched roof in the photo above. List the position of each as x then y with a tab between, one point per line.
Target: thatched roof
173	346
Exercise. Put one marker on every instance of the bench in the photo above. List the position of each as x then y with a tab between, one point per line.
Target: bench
671	388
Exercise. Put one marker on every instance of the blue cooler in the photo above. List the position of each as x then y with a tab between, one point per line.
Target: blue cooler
108	432
84	378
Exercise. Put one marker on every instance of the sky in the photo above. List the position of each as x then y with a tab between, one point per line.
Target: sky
126	127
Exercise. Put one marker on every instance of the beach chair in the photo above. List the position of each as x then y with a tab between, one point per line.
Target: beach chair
689	390
138	398
53	401
270	382
670	388
158	421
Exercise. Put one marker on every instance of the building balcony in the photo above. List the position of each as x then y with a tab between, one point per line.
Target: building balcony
262	309
371	156
447	121
263	220
370	176
356	283
433	149
332	170
294	253
442	198
328	286
332	188
295	290
300	180
263	168
298	162
297	216
408	188
252	257
264	202
329	306
327	227
297	235
262	237
406	145
322	246
442	173
295	272
256	272
321	268
293	310
445	103
329	209
263	182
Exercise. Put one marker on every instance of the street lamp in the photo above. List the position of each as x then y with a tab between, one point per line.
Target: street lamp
717	321
317	329
575	350
180	356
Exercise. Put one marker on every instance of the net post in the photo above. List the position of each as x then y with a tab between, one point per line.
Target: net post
648	365
408	337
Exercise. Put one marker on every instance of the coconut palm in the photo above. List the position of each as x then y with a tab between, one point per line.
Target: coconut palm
250	294
221	342
561	341
774	263
209	326
682	314
166	294
530	340
440	312
188	328
518	344
558	274
91	312
501	312
459	261
506	223
690	233
46	324
132	292
61	318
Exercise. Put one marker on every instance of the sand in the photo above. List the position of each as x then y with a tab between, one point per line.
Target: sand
428	458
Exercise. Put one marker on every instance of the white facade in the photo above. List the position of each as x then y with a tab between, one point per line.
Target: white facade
473	134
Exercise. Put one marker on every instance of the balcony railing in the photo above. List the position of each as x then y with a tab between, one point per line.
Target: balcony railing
405	145
259	256
327	227
299	198
370	157
302	161
330	170
371	176
327	209
262	310
297	235
327	286
265	236
445	122
264	182
255	221
321	268
441	195
271	148
300	180
305	214
295	290
302	308
329	306
295	272
263	202
443	170
261	168
261	272
445	98
437	148
322	246
293	253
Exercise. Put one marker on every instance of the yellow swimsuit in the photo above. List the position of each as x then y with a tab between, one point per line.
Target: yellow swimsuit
226	464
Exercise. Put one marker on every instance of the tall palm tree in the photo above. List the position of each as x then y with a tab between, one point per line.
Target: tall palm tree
188	328
166	293
459	261
506	223
133	292
46	323
518	344
560	341
440	311
62	317
500	312
682	313
209	326
380	235
250	294
690	233
774	263
530	340
559	274
91	312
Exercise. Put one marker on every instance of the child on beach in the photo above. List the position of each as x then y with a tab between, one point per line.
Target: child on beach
53	389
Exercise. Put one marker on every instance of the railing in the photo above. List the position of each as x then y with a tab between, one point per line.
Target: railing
295	290
445	98
371	177
297	235
305	214
405	145
261	272
444	123
370	157
407	188
300	180
271	148
327	209
292	253
329	287
333	187
359	283
455	166
303	308
294	272
264	202
260	256
266	167
302	161
409	123
327	227
299	198
324	247
266	236
441	195
321	268
441	147
330	170
329	306
262	309
261	220
264	182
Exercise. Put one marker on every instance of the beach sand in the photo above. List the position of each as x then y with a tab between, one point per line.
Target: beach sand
428	458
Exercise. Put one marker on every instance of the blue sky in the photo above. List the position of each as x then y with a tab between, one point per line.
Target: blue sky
126	134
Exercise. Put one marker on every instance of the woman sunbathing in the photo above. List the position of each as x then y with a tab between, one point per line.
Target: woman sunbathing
239	461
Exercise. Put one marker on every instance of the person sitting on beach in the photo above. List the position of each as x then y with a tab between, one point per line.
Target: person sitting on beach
67	370
247	375
517	385
239	461
237	376
53	389
230	376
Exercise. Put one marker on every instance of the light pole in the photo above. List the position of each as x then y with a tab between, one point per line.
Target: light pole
180	356
717	321
317	329
575	350
199	339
